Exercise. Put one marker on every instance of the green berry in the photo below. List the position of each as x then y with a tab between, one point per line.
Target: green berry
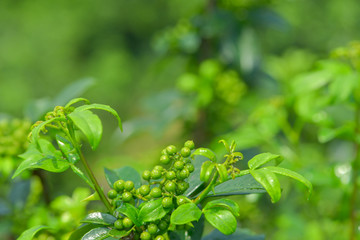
145	236
164	159
170	175
170	186
146	175
129	185
127	196
152	228
127	222
159	237
167	202
118	224
156	192
190	144
182	187
119	185
112	194
144	190
155	174
163	225
164	152
179	165
185	152
171	149
184	173
190	167
159	168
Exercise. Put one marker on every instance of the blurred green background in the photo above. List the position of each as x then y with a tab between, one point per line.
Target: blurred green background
259	72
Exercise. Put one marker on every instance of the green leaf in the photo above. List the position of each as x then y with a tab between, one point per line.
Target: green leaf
81	230
195	184
223	174
78	172
36	130
101	107
119	234
125	173
206	171
68	149
151	211
47	159
222	219
292	174
96	234
185	213
31	232
225	203
76	100
90	124
264	158
238	186
225	144
131	212
269	181
205	152
99	218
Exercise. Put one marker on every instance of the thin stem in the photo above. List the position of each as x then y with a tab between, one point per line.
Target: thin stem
355	173
207	189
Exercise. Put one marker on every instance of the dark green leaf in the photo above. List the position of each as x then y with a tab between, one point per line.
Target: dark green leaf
264	158
68	149
269	181
195	184
90	124
205	152
292	174
96	234
101	107
131	212
238	186
99	218
81	230
226	203
30	233
222	219
185	213
125	173
151	211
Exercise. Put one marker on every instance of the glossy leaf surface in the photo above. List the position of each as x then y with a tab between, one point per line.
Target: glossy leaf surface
205	152
131	212
224	203
185	213
269	181
264	158
99	233
99	218
222	219
151	211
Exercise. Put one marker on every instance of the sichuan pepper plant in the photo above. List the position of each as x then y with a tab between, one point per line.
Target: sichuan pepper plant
170	199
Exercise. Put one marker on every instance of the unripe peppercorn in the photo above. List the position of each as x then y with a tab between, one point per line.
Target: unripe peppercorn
156	192
112	194
184	173
164	159
127	196
145	236
170	186
163	225
170	175
185	152
167	202
152	228
129	185
159	168
190	144
155	174
127	222
171	149
190	167
146	175
118	224
159	237
119	185
182	187
181	200
164	152
179	165
144	190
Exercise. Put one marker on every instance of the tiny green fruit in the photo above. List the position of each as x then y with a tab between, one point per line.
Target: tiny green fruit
170	186
118	224
155	174
167	202
145	236
179	165
164	159
159	237
127	222
190	167
152	228
190	144
170	175
127	196
119	185
171	149
156	192
112	194
144	190
146	175
185	152
129	185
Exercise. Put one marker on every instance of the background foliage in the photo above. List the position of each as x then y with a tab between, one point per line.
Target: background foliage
259	72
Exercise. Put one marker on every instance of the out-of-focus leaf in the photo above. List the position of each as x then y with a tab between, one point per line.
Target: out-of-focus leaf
81	230
73	90
30	233
238	234
99	218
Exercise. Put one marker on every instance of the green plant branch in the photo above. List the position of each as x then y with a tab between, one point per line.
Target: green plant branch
208	188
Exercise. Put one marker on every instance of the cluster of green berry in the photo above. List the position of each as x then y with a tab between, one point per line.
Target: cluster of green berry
167	182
